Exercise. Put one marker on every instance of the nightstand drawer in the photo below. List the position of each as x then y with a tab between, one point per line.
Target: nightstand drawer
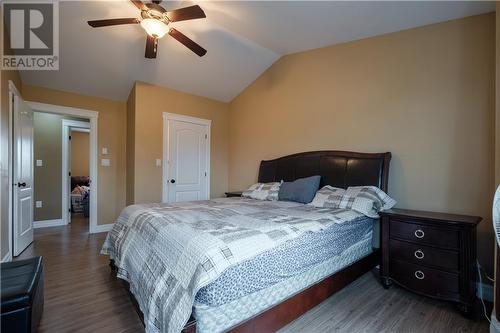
428	281
424	255
441	237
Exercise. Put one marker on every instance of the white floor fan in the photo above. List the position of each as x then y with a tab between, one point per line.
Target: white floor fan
496	218
496	214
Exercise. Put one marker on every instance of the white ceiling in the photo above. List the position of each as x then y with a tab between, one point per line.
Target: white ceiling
243	39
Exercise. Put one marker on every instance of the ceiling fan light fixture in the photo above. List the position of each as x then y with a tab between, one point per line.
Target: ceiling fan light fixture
154	27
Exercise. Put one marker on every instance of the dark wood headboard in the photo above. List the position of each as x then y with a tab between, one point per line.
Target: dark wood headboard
336	168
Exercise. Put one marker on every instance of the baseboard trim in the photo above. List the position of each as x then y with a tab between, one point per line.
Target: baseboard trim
7	258
48	223
487	291
101	228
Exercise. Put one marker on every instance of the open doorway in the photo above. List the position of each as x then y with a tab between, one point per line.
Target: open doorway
85	120
76	171
52	169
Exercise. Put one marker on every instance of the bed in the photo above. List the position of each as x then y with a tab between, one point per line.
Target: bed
80	190
310	254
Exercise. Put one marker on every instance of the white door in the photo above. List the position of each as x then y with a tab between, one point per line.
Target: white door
187	167
22	117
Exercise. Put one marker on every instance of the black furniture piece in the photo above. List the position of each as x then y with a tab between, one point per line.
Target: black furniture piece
432	254
22	295
79	181
233	194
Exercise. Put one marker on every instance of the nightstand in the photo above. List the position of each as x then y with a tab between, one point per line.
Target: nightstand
432	254
233	194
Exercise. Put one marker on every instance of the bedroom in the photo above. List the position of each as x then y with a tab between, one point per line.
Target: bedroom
414	79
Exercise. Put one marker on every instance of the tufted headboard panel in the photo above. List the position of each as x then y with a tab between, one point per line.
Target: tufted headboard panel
336	168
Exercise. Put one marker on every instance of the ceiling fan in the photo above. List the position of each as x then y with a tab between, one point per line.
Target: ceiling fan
155	20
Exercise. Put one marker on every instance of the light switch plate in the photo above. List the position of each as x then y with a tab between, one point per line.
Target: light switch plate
39	163
104	150
38	204
105	162
158	162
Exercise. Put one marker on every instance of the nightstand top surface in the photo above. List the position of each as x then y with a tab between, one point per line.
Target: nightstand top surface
234	193
424	215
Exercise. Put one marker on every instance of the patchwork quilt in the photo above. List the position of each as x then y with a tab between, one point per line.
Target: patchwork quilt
169	252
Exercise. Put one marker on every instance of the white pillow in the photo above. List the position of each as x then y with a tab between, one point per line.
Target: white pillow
328	196
380	198
263	191
367	200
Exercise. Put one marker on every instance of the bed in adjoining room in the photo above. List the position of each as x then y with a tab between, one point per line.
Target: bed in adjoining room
244	264
80	192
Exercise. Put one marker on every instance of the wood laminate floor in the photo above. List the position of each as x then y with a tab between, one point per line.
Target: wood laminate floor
81	295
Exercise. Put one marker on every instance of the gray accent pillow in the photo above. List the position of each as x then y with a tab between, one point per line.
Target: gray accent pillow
301	190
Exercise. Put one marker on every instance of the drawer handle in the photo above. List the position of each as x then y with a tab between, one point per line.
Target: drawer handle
419	233
419	254
419	275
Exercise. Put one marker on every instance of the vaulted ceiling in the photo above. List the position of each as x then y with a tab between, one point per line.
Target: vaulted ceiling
243	39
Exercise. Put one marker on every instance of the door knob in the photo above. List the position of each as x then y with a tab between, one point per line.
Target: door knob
172	181
21	184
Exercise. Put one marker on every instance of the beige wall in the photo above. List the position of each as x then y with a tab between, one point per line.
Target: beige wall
497	94
5	77
130	147
80	146
425	94
111	134
497	126
47	146
150	102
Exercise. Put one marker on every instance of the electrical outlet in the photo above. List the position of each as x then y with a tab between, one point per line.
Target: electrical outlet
38	204
105	162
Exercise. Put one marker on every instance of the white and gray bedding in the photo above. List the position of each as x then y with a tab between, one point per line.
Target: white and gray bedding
288	259
169	252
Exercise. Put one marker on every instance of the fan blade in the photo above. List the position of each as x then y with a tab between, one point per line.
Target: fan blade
105	23
151	47
186	13
139	4
190	44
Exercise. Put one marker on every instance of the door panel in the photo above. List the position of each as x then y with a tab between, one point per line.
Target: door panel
187	196
22	117
187	161
25	205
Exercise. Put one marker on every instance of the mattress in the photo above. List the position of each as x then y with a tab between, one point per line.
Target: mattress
223	317
287	260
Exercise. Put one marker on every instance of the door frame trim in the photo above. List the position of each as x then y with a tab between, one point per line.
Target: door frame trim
93	117
194	120
12	91
67	126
